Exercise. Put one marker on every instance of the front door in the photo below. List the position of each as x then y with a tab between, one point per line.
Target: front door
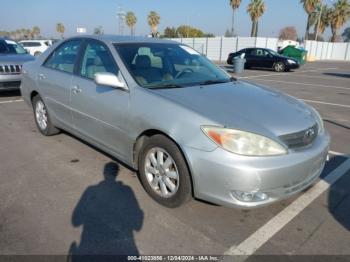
100	112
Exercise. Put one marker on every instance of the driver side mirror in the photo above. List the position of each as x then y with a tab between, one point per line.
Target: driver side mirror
109	79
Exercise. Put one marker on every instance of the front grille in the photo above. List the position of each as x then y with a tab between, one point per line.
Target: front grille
12	84
300	139
10	69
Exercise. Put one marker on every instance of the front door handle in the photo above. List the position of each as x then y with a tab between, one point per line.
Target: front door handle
41	77
76	90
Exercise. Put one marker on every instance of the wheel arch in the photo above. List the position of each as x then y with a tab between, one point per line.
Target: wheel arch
152	132
33	94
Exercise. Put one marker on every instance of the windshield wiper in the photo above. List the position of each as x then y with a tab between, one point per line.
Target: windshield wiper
212	82
165	86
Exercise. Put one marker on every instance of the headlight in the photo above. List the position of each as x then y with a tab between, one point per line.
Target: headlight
291	61
243	143
318	120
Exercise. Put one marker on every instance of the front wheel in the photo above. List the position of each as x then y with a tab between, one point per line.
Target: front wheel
42	118
164	173
279	67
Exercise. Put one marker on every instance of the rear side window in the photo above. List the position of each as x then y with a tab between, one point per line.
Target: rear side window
64	57
30	44
97	59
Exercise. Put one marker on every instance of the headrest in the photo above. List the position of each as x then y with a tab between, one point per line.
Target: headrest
143	61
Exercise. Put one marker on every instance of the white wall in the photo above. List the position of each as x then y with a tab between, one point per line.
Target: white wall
218	48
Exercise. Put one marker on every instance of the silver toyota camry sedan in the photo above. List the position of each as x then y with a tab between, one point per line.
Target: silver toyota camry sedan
186	126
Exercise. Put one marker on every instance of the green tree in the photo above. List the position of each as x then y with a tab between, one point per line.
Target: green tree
98	30
256	9
153	20
339	15
170	32
309	7
35	31
188	31
60	29
131	21
235	5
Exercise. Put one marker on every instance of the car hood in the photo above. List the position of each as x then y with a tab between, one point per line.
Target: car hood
244	106
15	58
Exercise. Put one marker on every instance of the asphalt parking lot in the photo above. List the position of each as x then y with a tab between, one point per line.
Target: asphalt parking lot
60	195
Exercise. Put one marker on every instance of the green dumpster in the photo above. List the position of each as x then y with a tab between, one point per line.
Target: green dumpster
296	53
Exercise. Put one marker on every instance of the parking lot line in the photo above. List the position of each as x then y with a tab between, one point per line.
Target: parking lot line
305	84
11	101
288	73
321	77
249	246
325	103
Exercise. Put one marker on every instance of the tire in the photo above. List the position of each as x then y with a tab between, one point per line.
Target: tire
279	67
42	118
155	177
37	53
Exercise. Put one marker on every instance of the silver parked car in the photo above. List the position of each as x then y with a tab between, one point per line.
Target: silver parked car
12	56
189	128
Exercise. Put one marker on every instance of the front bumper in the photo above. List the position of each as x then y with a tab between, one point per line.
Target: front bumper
292	66
10	82
217	174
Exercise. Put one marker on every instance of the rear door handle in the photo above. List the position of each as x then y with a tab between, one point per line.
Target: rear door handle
76	90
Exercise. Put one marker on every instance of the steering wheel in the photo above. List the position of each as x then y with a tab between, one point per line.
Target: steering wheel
186	70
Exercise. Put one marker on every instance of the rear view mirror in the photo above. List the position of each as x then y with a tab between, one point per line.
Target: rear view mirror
109	79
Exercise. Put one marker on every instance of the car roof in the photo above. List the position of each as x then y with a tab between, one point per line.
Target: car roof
124	39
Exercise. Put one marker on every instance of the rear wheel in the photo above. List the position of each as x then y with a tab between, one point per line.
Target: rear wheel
37	53
164	173
42	118
279	67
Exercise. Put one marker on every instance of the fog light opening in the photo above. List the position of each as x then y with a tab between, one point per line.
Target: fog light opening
250	196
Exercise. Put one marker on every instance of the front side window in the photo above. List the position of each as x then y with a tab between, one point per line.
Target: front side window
157	65
97	59
261	52
64	57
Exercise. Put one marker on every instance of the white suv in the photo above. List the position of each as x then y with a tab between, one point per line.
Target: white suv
36	47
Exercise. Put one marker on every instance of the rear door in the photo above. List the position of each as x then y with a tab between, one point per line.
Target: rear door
54	79
248	56
99	112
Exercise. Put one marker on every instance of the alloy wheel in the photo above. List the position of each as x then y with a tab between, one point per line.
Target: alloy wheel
161	172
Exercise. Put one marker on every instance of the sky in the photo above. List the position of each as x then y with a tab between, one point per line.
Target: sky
211	16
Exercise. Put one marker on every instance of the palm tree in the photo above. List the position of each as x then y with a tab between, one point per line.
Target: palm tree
60	29
153	21
36	31
325	19
131	21
339	15
309	7
235	5
256	9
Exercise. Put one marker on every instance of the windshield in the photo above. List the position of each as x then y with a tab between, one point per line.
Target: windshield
157	65
11	47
